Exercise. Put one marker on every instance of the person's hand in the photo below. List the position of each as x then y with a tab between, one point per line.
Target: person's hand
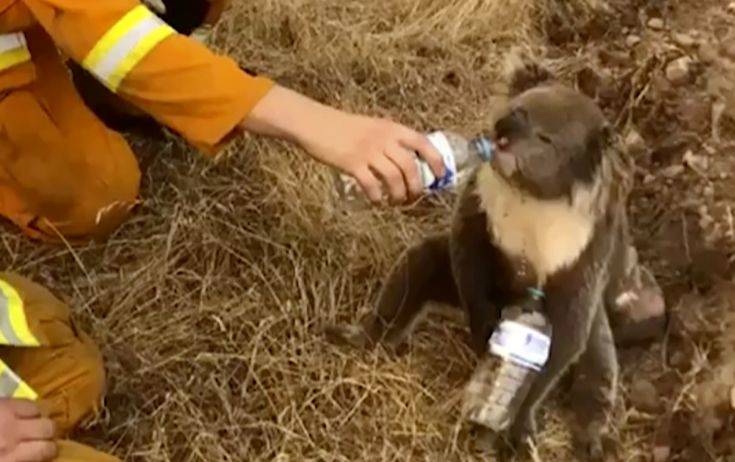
25	435
372	150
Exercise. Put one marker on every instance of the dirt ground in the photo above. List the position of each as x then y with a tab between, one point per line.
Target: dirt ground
208	303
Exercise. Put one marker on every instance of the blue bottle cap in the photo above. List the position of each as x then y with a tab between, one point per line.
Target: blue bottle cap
536	293
484	147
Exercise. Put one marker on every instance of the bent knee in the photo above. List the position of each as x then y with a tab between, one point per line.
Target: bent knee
102	201
84	389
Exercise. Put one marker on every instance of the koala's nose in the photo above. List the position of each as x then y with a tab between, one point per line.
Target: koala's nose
510	126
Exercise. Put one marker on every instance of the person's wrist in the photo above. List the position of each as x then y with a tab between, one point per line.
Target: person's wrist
288	115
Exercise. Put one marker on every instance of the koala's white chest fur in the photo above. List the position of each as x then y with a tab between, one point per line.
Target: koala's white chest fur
550	235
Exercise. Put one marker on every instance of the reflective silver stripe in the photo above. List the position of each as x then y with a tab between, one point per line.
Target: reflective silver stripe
8	383
122	49
12	41
6	328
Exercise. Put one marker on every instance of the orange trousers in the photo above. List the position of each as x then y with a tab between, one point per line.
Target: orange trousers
67	372
62	171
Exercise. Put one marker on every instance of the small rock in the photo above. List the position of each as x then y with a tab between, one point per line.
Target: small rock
661	453
683	40
694	113
648	179
695	162
708	52
709	191
678	71
632	40
644	396
678	359
672	171
724	176
732	398
656	23
615	57
727	47
731	7
634	143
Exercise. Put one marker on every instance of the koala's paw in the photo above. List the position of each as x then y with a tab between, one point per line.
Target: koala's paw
523	432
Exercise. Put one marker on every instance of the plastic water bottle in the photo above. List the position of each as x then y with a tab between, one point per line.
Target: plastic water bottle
522	341
460	156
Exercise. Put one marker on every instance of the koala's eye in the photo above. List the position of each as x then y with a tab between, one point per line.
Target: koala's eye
545	138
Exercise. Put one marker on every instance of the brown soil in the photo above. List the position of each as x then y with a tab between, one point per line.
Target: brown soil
208	304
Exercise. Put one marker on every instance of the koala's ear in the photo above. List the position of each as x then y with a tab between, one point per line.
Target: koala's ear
523	73
607	136
185	16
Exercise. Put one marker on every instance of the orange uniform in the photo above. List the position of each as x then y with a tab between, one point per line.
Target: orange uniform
62	171
44	357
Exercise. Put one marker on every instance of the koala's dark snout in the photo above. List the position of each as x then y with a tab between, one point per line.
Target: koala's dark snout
511	126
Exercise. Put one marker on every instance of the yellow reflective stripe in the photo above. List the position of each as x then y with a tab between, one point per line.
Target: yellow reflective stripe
114	34
13	50
144	46
125	44
25	392
11	58
12	386
14	328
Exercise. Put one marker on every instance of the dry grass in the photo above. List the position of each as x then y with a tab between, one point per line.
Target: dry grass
208	304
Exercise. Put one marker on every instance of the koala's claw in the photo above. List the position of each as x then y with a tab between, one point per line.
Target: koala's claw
523	432
589	442
595	452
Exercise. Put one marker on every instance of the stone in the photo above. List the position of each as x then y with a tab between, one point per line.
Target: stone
672	171
727	47
694	112
731	7
683	40
632	40
709	191
656	23
678	71
708	52
644	396
634	143
695	162
678	359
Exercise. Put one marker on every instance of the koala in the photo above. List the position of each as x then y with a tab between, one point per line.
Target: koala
548	211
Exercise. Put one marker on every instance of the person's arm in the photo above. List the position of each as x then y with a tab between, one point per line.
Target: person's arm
205	97
370	149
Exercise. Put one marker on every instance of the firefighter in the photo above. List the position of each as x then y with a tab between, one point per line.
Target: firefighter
65	175
51	377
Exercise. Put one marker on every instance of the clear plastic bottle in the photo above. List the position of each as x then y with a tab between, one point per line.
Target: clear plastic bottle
460	156
522	341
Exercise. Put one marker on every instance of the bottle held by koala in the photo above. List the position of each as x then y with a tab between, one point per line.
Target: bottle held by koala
522	341
460	156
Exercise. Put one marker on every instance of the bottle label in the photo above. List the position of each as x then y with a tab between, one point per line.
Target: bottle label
520	344
430	181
